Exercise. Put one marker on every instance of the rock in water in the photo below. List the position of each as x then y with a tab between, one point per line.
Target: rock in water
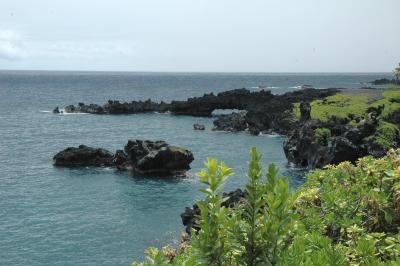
141	156
157	157
56	110
83	156
199	127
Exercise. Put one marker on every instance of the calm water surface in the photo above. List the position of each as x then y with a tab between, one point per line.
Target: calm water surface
52	216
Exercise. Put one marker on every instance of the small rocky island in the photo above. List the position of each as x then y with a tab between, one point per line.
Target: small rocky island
144	157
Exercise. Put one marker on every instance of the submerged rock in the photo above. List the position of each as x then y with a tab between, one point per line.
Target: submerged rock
199	127
141	156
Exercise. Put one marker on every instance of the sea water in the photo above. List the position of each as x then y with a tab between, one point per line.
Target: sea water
58	216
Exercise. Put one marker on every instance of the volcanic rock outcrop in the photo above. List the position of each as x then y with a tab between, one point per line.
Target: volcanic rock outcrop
141	156
83	156
265	111
315	144
233	122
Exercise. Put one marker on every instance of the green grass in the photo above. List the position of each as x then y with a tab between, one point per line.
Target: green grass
386	134
391	100
393	87
338	105
343	106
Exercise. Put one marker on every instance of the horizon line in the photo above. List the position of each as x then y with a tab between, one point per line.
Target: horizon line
196	72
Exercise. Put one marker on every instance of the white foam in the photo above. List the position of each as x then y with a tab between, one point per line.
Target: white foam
269	135
163	113
295	87
62	112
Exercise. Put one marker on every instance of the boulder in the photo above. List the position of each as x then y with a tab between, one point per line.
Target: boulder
83	156
157	157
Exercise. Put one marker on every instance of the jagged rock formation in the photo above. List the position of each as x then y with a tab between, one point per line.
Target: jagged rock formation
233	122
265	112
141	156
306	147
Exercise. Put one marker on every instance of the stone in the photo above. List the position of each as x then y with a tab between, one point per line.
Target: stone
83	156
199	127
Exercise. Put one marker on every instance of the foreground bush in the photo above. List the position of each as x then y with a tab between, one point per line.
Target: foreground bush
343	215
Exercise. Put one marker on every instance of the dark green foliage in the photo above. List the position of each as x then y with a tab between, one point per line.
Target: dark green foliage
386	134
343	215
323	135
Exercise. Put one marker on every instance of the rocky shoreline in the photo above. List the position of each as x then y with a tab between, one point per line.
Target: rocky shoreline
143	157
265	112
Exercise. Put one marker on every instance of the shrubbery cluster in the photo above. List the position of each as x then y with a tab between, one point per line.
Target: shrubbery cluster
323	135
343	215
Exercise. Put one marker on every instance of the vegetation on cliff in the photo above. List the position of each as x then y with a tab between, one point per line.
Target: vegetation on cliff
343	215
347	108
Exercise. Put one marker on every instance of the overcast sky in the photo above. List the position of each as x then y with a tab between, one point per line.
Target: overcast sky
201	35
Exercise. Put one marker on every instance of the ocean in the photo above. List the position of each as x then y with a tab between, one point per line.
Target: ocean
58	216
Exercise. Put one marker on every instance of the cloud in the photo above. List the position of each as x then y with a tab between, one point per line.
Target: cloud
90	50
13	47
10	45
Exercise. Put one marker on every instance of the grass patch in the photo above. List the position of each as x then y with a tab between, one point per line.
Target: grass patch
393	87
350	107
391	100
339	105
386	134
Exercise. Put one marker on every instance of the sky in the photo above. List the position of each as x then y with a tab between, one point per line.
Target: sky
200	35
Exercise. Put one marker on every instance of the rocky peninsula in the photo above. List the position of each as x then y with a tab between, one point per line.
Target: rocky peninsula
265	112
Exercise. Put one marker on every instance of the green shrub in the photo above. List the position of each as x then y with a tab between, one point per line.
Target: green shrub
323	135
343	215
386	134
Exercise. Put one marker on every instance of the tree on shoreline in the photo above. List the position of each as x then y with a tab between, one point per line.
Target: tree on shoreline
397	73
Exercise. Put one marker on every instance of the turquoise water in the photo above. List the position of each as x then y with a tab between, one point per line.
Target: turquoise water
52	216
